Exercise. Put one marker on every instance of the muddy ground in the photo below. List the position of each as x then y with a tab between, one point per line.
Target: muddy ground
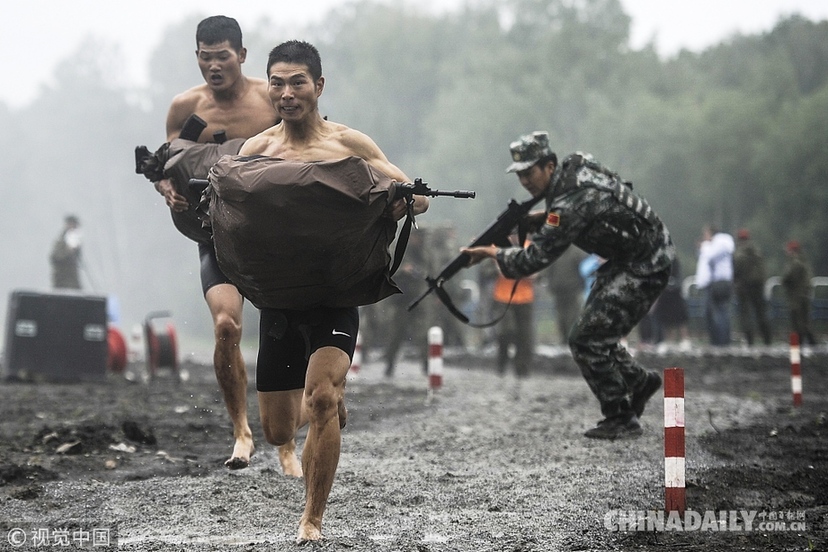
484	465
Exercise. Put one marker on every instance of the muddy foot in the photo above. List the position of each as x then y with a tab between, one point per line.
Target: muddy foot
242	451
308	532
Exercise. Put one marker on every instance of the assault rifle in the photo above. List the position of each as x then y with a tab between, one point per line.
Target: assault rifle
496	234
408	190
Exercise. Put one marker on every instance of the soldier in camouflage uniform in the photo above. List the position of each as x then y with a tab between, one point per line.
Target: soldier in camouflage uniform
796	281
589	206
749	284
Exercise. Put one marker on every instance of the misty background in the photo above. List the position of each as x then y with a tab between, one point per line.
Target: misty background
733	135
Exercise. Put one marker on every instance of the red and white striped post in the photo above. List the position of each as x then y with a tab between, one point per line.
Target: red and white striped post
674	488
796	372
435	358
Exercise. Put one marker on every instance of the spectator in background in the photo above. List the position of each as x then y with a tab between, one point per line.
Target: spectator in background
796	282
714	275
66	256
517	327
749	284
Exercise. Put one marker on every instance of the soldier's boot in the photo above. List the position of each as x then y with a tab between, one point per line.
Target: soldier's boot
651	384
624	425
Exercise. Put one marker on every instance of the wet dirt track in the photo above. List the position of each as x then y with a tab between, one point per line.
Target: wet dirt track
483	466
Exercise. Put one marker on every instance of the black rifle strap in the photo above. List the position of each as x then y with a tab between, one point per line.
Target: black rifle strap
402	239
446	299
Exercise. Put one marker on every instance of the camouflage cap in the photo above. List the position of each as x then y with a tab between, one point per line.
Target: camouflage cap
528	150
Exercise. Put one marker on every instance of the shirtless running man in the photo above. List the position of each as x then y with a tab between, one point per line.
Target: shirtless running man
295	84
239	106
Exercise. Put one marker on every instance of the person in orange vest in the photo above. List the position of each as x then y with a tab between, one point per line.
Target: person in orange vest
517	328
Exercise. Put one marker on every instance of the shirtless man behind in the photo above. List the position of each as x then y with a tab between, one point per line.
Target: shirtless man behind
239	106
291	393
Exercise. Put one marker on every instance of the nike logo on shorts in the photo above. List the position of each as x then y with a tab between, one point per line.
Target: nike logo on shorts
335	332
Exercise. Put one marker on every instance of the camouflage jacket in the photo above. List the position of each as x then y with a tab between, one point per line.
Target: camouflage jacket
748	265
796	281
591	207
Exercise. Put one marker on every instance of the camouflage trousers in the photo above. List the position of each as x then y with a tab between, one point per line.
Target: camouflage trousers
617	303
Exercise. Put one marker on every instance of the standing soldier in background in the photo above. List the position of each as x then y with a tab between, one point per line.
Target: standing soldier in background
749	284
796	282
591	207
66	256
239	107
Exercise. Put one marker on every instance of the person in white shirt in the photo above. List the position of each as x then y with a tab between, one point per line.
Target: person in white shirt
714	275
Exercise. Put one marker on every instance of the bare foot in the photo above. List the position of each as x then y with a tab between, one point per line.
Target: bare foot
308	532
242	451
287	458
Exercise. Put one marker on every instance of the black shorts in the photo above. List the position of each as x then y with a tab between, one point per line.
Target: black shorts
287	338
211	274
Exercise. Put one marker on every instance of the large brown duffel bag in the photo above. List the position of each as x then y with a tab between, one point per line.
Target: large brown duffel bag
297	235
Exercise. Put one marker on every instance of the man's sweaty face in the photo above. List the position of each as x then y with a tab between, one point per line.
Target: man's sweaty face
292	90
220	64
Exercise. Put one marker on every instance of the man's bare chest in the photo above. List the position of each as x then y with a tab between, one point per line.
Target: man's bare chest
239	121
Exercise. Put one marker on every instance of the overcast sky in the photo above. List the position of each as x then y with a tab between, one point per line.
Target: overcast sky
39	33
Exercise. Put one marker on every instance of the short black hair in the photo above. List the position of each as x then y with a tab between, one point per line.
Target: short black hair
297	51
217	29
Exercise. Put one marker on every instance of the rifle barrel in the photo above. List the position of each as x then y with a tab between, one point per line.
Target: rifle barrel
462	194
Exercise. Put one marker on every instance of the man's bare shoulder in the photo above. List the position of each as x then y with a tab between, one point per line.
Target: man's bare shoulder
353	140
261	143
190	98
239	115
182	106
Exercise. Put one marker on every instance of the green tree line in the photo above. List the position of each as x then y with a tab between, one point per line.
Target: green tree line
734	135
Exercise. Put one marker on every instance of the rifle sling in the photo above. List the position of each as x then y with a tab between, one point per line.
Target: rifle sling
402	239
446	299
